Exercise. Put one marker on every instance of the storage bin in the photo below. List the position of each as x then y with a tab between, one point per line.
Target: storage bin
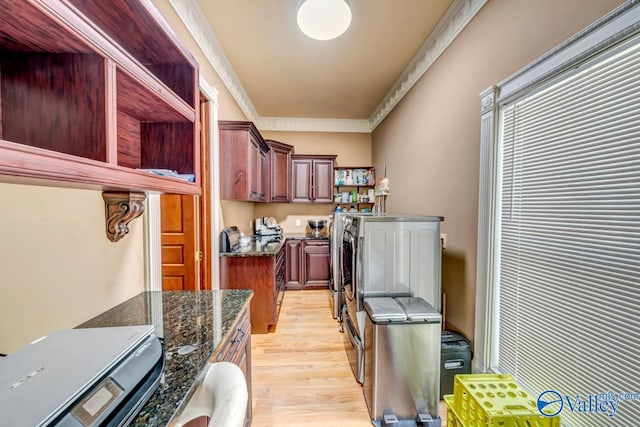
455	358
401	360
494	400
453	420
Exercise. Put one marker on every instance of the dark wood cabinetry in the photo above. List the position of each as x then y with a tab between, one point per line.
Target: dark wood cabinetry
316	263
93	91
237	349
312	178
265	276
280	171
294	264
243	161
307	263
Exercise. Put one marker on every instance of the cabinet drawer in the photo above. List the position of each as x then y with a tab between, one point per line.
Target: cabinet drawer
233	347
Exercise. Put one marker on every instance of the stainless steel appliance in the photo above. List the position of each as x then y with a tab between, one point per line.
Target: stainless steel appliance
392	256
266	226
81	377
402	361
230	239
335	283
335	262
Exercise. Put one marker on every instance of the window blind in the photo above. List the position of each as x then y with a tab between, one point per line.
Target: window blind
569	236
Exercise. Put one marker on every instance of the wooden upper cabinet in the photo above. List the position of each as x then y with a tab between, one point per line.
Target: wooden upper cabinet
91	92
280	171
243	162
312	178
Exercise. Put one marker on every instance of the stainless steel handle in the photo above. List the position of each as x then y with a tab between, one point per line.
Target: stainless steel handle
358	263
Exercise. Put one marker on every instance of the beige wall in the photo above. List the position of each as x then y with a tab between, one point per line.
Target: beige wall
352	149
430	141
57	267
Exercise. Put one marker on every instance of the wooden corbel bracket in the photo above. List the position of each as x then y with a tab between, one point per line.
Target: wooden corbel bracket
120	210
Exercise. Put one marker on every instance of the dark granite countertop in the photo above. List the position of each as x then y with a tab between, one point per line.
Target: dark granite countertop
306	236
258	247
269	247
199	318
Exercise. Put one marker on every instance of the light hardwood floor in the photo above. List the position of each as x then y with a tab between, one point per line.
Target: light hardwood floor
301	375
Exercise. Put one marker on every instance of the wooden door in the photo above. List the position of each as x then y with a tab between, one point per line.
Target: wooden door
185	226
179	240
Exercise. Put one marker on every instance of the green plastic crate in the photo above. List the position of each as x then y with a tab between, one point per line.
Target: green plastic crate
495	400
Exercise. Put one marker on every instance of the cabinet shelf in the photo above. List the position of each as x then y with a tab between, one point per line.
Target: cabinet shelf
79	108
22	164
361	177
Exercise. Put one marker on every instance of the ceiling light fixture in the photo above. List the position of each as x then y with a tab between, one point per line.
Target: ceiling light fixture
324	19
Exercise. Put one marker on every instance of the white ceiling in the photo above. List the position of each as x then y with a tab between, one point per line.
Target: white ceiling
284	80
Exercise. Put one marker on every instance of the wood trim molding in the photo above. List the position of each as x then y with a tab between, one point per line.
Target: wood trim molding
301	124
485	316
452	23
153	245
120	209
214	149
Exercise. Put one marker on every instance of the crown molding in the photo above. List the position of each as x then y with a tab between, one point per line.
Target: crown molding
303	124
193	18
452	23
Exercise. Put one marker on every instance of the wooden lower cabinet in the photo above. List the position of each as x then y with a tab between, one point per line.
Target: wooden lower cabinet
264	275
237	350
307	263
316	263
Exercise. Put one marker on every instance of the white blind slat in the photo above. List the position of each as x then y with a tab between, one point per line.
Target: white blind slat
569	236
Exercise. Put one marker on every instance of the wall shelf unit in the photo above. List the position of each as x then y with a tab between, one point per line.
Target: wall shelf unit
93	92
357	180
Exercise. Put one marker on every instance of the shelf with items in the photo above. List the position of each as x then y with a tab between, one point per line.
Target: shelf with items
354	187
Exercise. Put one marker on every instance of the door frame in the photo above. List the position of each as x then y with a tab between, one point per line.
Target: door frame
152	246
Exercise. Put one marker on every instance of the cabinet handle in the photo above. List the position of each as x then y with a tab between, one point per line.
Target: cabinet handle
243	334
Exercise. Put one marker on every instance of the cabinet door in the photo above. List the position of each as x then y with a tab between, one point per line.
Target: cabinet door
237	349
255	171
316	263
265	180
301	180
294	266
323	181
280	172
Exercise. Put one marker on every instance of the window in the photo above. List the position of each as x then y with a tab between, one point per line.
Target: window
560	227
